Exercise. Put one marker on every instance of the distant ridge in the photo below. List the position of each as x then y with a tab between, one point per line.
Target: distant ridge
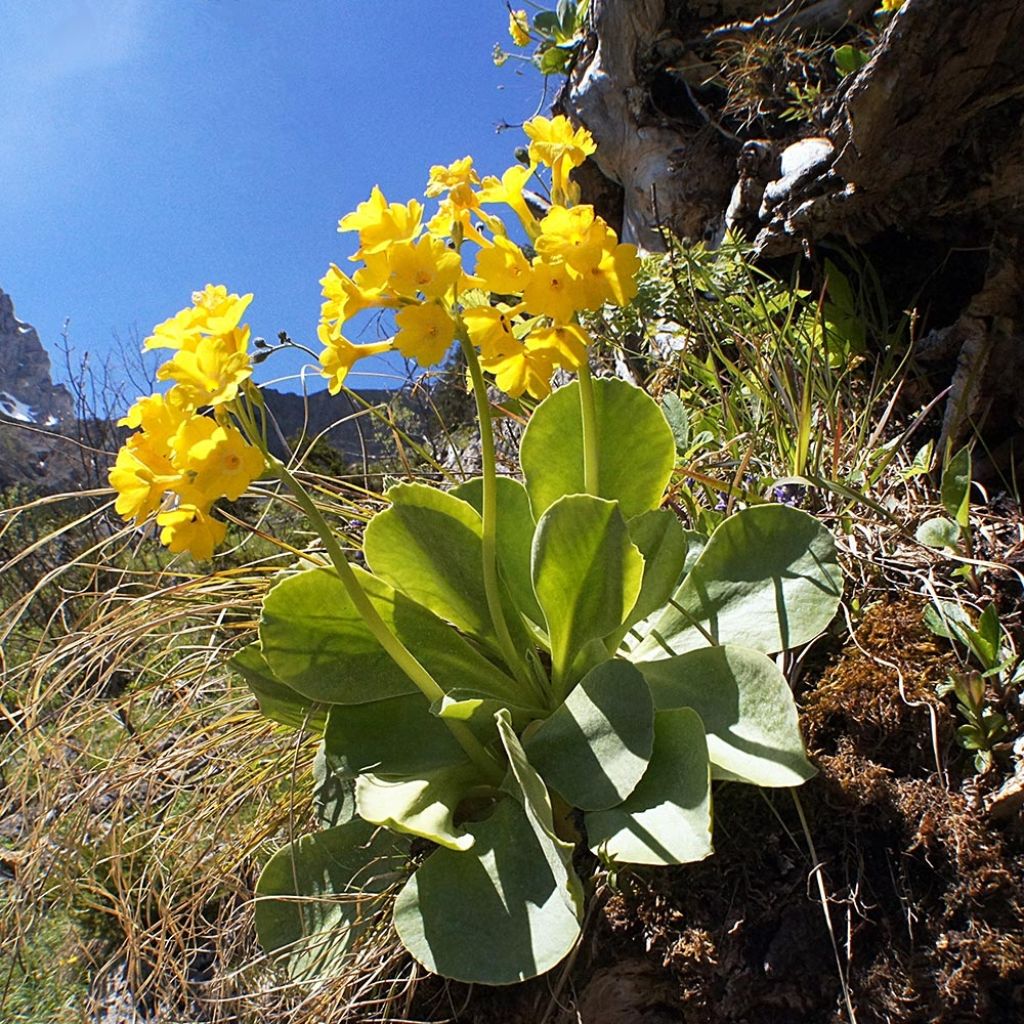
45	447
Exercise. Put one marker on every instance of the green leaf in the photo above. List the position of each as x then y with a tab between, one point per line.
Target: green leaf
493	914
398	736
423	805
551	60
509	908
318	894
596	746
938	533
922	462
316	642
428	546
278	702
664	545
667	818
635	473
987	638
467	706
527	787
849	59
678	420
747	709
586	573
956	488
768	579
546	22
514	539
334	796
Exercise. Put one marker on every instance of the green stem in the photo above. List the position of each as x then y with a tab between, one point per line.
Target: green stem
382	633
489	515
588	412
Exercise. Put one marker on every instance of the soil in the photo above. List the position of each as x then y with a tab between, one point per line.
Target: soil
924	891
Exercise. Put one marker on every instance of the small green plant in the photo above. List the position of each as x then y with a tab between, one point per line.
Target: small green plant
988	643
557	35
953	532
983	727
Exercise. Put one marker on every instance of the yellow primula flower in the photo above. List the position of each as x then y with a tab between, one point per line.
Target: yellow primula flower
556	144
519	27
490	330
567	343
553	290
158	418
190	528
553	140
425	332
576	235
217	460
339	355
613	280
380	223
213	311
525	369
211	372
141	475
502	267
509	190
346	296
457	179
426	267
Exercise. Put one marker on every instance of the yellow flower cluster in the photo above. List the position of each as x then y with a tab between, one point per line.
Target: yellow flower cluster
183	458
520	311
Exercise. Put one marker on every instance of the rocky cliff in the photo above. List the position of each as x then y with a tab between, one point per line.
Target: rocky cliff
27	391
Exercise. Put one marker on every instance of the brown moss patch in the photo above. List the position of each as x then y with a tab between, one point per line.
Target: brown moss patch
880	692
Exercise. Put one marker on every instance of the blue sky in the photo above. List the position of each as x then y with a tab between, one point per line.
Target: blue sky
150	146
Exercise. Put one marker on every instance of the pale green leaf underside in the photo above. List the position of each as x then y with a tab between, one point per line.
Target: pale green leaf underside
595	747
768	579
747	709
667	818
317	894
422	805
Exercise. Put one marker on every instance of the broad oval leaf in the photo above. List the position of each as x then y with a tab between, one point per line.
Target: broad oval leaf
316	642
397	736
422	805
316	895
747	709
661	539
636	449
334	796
514	538
494	914
586	573
278	702
428	545
768	579
595	747
667	818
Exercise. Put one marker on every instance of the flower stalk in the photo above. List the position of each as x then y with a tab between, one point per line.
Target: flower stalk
588	413
489	515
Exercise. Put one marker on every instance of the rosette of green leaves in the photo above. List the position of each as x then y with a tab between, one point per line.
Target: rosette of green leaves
646	673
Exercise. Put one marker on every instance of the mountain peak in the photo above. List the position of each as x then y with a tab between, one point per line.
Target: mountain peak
27	391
